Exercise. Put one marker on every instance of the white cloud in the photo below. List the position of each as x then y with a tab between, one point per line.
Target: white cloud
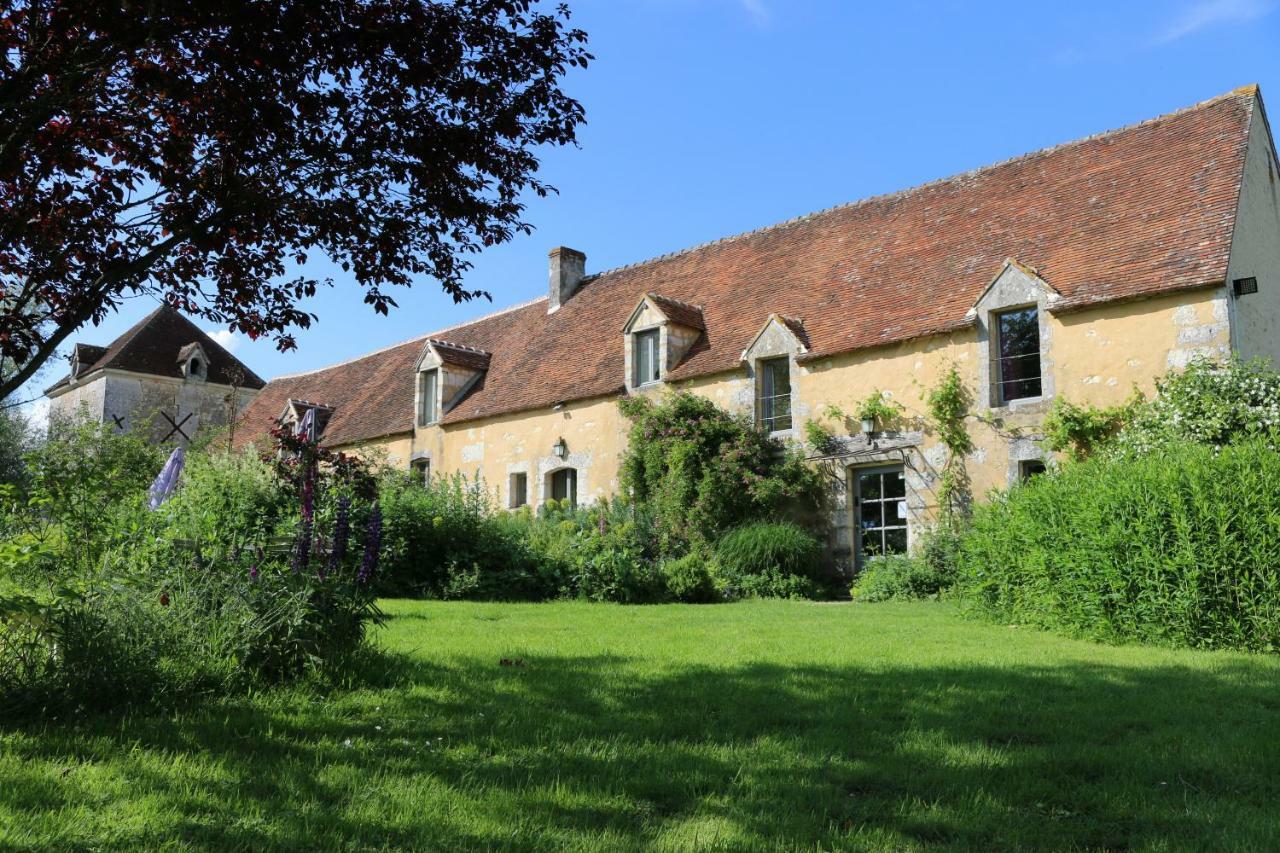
1209	13
228	339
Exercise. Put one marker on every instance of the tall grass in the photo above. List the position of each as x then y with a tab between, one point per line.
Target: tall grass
1179	548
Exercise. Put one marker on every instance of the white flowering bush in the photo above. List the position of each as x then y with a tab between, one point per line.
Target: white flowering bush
1210	403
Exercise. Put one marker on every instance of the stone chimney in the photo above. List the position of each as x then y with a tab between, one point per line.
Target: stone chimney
567	269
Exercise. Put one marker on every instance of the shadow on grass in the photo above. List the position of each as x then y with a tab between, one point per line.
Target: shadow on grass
581	749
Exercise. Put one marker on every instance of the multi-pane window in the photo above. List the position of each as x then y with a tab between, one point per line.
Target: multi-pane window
428	382
645	358
774	389
1017	354
882	512
564	486
519	490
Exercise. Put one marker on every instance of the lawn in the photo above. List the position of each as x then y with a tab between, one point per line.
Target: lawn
755	725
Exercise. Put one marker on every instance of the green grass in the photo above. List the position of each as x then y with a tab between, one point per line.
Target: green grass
756	725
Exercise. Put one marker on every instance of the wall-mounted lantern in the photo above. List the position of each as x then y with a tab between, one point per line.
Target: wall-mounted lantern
560	449
868	427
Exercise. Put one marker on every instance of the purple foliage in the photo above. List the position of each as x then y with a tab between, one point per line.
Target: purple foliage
302	547
372	544
308	492
341	534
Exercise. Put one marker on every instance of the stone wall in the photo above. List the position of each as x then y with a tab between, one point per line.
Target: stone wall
152	404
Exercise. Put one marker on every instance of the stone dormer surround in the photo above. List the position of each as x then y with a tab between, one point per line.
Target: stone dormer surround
460	368
1015	286
679	326
779	336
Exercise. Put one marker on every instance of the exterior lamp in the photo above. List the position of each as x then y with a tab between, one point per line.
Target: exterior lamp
560	449
868	427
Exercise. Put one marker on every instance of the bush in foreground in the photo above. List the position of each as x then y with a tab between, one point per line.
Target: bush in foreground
253	573
1178	548
771	560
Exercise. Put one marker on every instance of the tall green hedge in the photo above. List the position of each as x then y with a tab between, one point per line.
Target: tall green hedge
1180	547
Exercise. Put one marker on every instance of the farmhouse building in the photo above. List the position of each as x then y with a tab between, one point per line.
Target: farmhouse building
1077	272
164	377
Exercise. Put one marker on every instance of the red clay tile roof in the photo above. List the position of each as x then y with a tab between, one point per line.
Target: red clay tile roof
461	356
153	346
1131	213
679	312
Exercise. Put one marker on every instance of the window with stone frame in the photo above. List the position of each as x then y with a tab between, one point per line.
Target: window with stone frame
518	490
773	394
428	385
564	486
1017	354
1028	469
422	469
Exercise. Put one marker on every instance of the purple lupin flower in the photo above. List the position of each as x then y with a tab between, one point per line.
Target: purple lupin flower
253	573
302	547
341	534
372	544
308	493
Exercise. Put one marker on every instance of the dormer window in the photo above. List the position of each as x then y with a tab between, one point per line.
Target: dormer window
770	358
1017	354
1014	358
446	373
644	357
306	419
774	389
428	396
657	336
195	364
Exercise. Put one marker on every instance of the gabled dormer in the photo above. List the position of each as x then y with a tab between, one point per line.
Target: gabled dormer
445	373
84	357
657	335
306	417
194	362
1014	356
771	360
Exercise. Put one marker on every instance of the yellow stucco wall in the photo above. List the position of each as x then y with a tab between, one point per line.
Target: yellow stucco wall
1093	356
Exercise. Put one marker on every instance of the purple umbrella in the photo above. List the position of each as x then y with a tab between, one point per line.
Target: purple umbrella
168	479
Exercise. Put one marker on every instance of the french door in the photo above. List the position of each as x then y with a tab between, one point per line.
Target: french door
880	512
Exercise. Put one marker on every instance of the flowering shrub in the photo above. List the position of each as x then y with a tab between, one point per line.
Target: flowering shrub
697	471
1210	403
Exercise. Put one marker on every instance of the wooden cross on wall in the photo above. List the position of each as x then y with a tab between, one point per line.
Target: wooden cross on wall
177	426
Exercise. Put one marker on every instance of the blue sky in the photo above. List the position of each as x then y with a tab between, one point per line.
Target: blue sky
711	117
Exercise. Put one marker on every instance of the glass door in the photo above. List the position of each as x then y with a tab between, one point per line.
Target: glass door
880	511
